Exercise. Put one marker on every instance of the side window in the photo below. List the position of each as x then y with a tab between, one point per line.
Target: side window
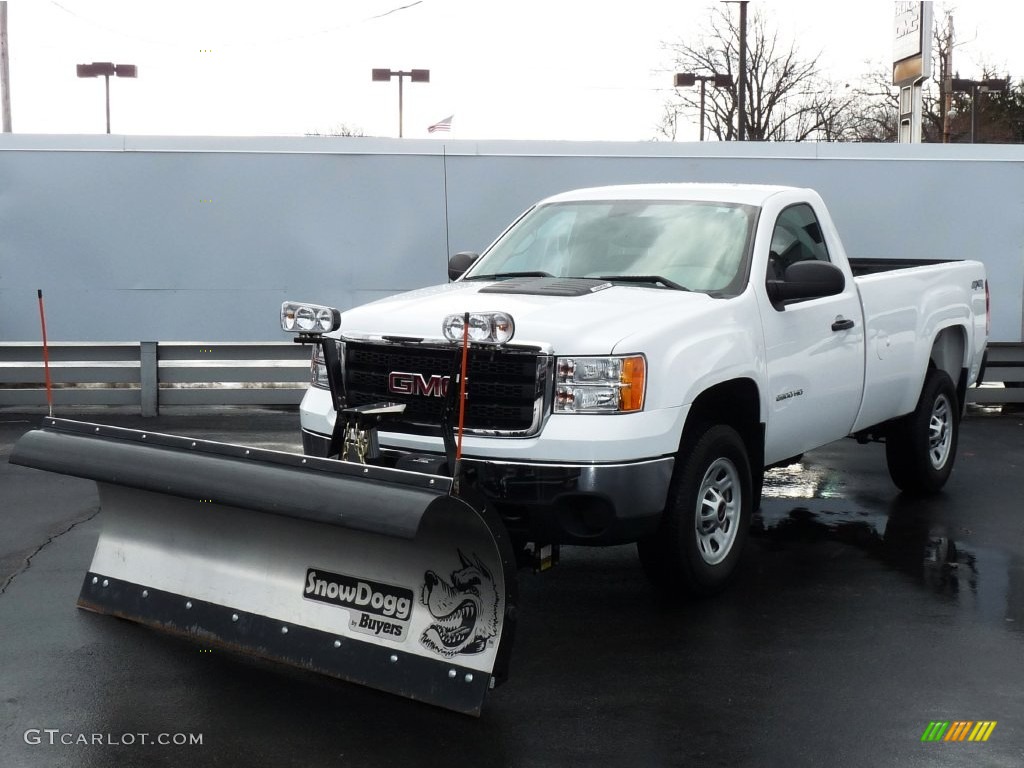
797	237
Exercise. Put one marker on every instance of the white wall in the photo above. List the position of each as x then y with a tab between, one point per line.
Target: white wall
149	238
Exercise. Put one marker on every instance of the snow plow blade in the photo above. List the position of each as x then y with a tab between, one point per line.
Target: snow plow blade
378	576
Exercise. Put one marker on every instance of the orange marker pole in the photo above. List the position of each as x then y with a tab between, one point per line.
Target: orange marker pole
46	353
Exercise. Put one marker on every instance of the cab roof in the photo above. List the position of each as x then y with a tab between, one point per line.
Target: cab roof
745	194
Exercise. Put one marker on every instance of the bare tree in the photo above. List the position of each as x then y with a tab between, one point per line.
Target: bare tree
873	113
339	129
787	99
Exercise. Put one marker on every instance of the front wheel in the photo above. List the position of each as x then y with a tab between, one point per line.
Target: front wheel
920	448
705	524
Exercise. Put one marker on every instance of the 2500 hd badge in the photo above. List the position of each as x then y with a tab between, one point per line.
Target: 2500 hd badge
366	600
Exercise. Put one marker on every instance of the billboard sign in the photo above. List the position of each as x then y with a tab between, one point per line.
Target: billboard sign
912	51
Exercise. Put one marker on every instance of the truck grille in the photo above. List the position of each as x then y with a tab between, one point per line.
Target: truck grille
505	389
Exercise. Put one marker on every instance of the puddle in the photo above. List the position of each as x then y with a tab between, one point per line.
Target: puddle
807	503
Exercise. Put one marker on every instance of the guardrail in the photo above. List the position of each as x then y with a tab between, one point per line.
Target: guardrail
150	374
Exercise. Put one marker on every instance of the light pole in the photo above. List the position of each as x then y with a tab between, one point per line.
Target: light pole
106	69
414	75
741	94
974	87
686	79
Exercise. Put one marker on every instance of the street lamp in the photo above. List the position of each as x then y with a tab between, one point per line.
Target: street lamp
414	75
974	87
106	69
686	79
741	93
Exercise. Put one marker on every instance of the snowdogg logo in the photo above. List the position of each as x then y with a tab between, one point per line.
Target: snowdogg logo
401	383
464	609
381	610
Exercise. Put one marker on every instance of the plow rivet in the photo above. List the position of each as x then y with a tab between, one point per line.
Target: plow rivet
145	593
303	461
247	453
234	617
106	582
188	605
95	580
469	677
431	482
97	429
366	470
394	658
452	673
193	445
284	630
143	437
337	643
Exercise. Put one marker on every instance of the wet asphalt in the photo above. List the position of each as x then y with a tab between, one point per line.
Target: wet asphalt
858	617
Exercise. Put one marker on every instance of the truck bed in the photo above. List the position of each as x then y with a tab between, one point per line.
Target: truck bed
861	267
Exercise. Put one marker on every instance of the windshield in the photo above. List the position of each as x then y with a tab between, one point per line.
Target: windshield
700	246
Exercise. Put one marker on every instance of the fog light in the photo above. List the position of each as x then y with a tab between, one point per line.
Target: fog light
299	317
484	327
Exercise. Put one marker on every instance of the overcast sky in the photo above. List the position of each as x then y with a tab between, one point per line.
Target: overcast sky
529	69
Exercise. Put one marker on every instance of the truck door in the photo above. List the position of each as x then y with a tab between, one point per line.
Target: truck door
814	348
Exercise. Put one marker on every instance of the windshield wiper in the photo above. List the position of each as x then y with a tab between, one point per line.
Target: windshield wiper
499	275
644	279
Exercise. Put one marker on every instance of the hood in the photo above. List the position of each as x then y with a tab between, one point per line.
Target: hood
589	324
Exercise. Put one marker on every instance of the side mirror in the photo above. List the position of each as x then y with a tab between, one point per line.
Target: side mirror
460	262
806	280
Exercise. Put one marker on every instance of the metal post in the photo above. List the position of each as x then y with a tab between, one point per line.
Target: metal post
947	80
742	100
703	82
5	72
107	78
400	79
149	378
974	110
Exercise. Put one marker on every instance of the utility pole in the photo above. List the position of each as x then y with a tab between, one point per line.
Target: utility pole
5	71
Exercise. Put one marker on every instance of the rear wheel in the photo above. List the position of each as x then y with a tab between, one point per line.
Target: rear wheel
920	448
705	523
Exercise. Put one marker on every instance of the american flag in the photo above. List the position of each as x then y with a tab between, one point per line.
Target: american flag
441	125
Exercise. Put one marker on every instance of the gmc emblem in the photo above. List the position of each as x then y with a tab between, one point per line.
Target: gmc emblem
402	383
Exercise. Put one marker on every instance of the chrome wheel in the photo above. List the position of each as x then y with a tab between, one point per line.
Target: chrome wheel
940	432
719	505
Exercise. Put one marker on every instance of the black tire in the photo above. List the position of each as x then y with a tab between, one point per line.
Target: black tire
679	560
920	448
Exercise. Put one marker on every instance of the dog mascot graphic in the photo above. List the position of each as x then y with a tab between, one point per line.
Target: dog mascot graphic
464	609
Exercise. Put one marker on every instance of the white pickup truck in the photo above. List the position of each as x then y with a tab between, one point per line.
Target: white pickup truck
647	351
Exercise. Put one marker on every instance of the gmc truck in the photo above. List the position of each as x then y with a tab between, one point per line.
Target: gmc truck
640	355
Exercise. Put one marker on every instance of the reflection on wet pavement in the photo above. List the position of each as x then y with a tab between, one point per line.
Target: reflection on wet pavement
804	504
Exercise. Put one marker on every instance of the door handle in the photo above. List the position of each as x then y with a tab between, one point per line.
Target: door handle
842	325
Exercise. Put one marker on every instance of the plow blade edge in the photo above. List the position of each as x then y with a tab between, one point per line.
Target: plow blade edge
370	574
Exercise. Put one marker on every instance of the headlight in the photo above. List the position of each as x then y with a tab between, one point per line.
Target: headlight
600	384
484	327
299	317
